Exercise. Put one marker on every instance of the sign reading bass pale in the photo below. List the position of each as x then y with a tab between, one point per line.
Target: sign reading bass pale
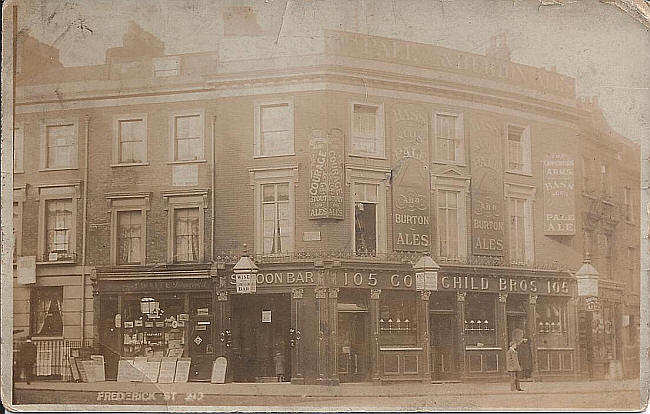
326	175
411	188
487	192
559	197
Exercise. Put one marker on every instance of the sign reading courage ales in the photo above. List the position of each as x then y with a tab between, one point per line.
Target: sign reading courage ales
559	196
326	175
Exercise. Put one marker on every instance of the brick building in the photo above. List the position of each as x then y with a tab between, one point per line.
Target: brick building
342	162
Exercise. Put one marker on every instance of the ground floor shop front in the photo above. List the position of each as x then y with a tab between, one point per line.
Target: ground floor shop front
334	322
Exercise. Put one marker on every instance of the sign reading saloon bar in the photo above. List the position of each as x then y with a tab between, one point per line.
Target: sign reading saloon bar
559	195
541	286
487	192
326	175
411	187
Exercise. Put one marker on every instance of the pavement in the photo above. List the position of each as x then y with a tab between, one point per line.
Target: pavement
622	394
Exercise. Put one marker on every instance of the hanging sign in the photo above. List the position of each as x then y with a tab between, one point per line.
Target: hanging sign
410	179
246	282
326	174
488	226
559	195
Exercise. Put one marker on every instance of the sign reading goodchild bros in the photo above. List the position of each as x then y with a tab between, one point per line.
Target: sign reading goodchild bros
411	188
559	195
488	230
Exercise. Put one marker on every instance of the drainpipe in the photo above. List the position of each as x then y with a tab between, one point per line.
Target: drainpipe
212	218
83	231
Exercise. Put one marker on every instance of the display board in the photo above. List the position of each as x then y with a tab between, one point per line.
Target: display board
151	370
182	370
219	371
127	372
100	367
74	370
167	370
83	375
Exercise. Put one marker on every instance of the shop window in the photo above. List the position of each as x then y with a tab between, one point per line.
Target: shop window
518	149
47	311
365	219
130	140
187	137
274	209
480	320
398	317
449	144
275	217
19	142
186	234
448	224
274	128
551	321
58	219
129	236
367	130
59	145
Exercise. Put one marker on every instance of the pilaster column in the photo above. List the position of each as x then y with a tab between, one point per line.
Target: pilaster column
502	323
374	329
423	332
333	328
532	331
297	366
222	320
323	333
460	317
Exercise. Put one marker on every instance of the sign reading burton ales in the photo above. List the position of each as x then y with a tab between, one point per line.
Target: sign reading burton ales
559	196
411	188
326	175
488	230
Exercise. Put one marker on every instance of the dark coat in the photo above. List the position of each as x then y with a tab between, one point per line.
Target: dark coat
28	353
279	363
512	361
525	356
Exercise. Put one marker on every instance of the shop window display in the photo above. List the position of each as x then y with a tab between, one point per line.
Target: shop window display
480	320
551	321
398	318
154	327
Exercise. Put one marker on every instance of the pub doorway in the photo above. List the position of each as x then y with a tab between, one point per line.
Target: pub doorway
260	329
443	346
353	356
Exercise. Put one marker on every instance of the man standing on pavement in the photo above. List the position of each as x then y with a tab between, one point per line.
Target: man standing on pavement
27	359
513	367
525	358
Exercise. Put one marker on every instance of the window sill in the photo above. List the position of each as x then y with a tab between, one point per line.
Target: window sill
45	338
19	172
57	169
522	173
129	164
57	262
273	156
483	348
372	157
449	162
400	348
186	162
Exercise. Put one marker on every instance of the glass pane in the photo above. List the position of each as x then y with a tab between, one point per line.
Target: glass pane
364	121
188	149
275	118
268	192
362	145
276	143
60	135
283	192
371	193
188	126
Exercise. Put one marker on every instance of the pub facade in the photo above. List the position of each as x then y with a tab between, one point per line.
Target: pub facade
407	211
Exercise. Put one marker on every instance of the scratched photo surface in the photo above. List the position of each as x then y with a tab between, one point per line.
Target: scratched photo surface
324	205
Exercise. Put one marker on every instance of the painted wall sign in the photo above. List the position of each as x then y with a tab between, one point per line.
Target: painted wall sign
326	175
435	57
559	195
185	175
298	277
379	279
488	227
542	286
411	182
140	285
26	269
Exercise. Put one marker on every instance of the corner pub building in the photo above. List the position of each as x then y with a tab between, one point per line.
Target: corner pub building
408	210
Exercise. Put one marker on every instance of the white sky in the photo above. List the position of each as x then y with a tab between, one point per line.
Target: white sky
598	44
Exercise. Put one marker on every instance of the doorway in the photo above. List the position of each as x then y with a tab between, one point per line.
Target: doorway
352	346
443	346
260	329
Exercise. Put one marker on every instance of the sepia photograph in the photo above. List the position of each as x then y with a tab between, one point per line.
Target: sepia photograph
325	205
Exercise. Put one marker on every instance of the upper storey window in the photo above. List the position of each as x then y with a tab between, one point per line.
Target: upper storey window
131	140
187	137
368	130
274	128
59	145
518	149
449	142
